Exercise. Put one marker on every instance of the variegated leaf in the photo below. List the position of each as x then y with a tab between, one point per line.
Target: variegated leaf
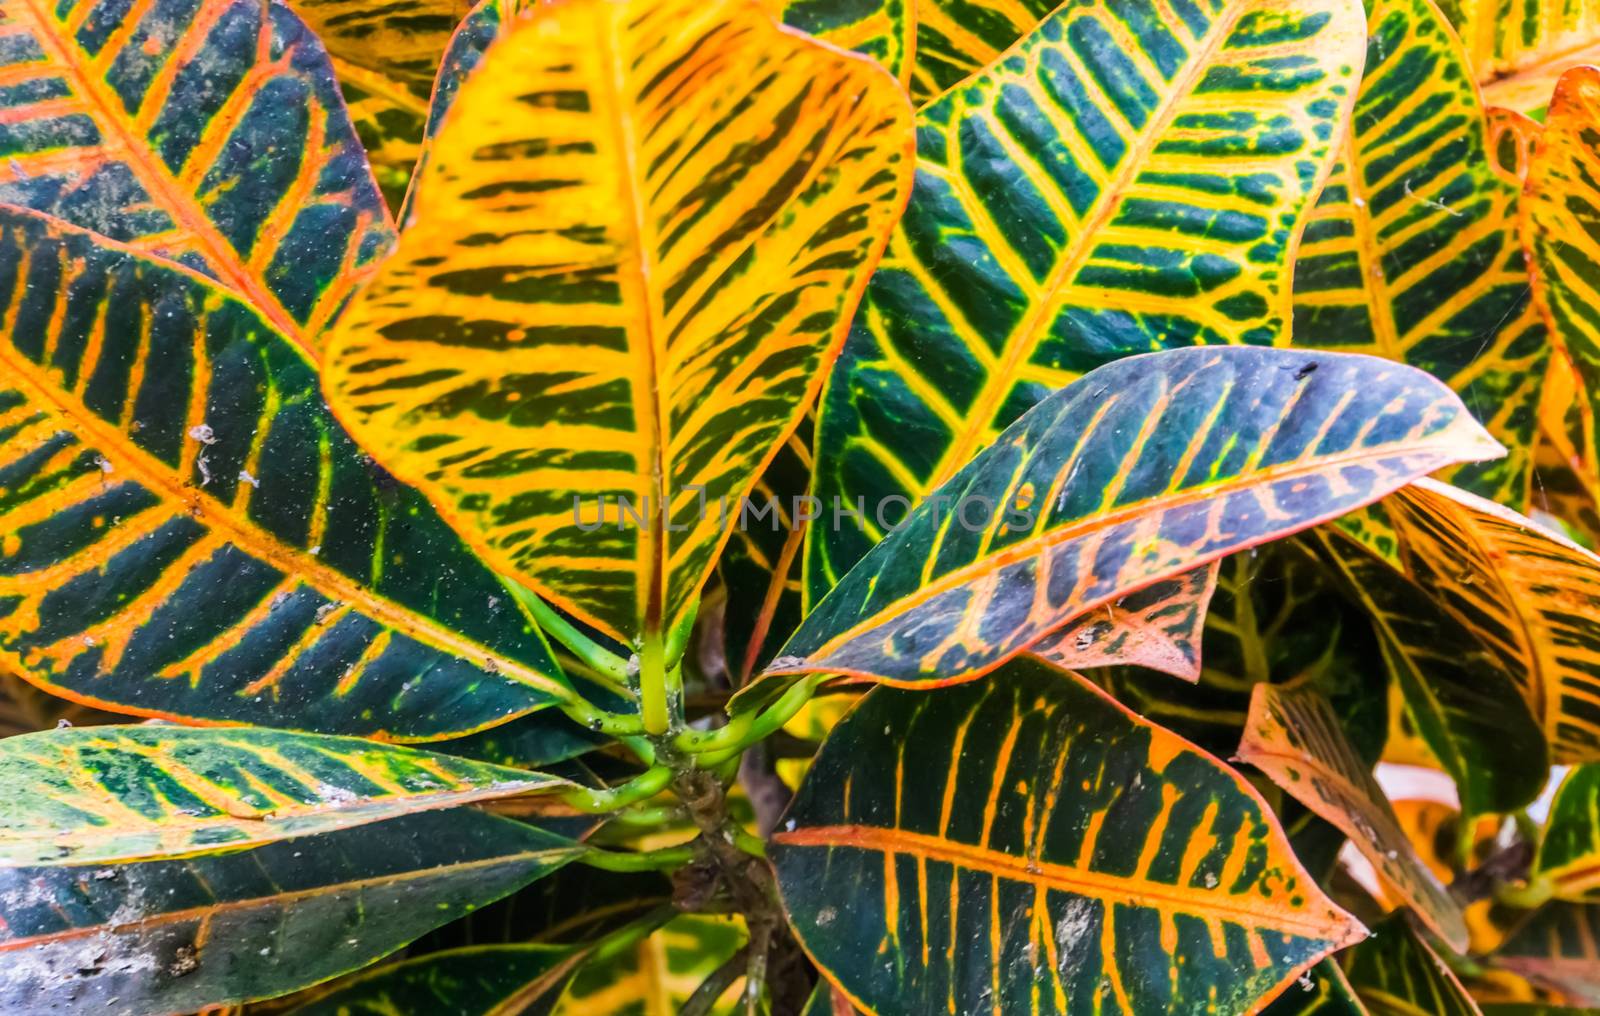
1144	469
1413	251
485	980
1127	178
1518	50
1569	853
186	532
1559	948
210	132
97	794
624	270
1026	844
657	975
1294	736
1158	627
1322	992
1395	973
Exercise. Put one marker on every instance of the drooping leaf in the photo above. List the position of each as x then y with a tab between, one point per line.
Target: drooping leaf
1467	709
1142	470
1294	736
386	56
1076	203
655	977
1158	627
210	132
1518	50
1395	973
1322	992
1559	947
117	793
1569	853
173	936
699	241
488	980
1413	251
1530	596
1027	841
186	532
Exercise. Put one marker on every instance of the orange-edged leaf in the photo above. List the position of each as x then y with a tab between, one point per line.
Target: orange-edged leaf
638	240
1413	251
1395	973
1142	470
175	936
1294	736
1569	853
1531	596
484	980
1512	137
1518	50
1026	844
1559	948
186	532
1158	627
209	132
97	794
1322	992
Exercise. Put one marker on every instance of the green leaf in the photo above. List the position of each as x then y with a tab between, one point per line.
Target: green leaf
1294	736
1145	469
655	977
1465	706
186	532
1025	842
1569	853
487	980
173	936
1159	627
97	794
1395	973
827	1001
1558	947
1322	992
1125	179
574	905
210	132
1413	251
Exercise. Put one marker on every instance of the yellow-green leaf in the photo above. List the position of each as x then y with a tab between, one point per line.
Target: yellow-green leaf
210	132
92	795
1295	737
1395	973
1026	844
1558	947
1413	252
1569	853
485	980
639	237
1520	47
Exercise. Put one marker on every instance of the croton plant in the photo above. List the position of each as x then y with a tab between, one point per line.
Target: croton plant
709	506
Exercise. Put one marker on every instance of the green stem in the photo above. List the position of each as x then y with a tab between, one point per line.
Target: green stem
716	746
1525	897
642	787
621	860
653	684
606	664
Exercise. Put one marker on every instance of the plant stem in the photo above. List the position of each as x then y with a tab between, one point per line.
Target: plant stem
717	746
642	787
712	988
653	684
605	663
621	860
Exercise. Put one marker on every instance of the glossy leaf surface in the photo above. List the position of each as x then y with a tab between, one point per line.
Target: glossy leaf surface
1466	707
1395	973
1529	594
210	132
1038	846
1127	178
1294	736
1158	627
98	794
1559	947
1143	470
173	936
491	980
710	192
185	531
1569	853
1413	251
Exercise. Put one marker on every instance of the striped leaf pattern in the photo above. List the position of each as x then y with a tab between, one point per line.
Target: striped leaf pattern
1127	178
116	793
1465	706
210	132
658	975
1395	973
1569	853
1413	251
175	936
1324	992
1519	49
1145	469
1295	737
186	532
885	30
1530	595
386	55
638	239
1559	948
1039	848
1158	627
489	980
